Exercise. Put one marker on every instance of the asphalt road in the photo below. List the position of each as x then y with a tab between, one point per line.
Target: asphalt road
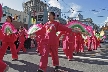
93	61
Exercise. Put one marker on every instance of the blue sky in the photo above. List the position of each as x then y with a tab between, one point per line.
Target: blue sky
86	6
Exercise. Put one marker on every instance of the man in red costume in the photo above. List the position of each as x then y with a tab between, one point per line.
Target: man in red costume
22	38
50	42
3	66
8	40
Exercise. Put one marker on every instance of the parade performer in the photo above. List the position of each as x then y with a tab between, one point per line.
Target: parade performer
8	39
68	45
82	45
22	37
50	43
94	41
3	66
78	38
89	43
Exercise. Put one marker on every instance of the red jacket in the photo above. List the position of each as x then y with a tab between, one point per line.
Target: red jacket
49	30
22	36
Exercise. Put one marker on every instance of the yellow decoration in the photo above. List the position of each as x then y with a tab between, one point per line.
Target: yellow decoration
33	21
102	33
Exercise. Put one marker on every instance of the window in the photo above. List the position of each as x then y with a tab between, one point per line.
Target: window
24	19
40	17
4	15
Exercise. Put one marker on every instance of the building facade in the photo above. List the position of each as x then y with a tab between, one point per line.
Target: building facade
19	18
38	10
87	21
56	10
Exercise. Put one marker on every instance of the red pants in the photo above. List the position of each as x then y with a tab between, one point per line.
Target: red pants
2	66
82	47
21	46
53	49
98	43
68	49
12	48
89	45
78	46
95	46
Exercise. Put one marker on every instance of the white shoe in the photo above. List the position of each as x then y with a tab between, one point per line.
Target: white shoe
7	68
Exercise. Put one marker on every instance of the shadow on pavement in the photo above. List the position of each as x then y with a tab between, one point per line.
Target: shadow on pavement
31	67
87	61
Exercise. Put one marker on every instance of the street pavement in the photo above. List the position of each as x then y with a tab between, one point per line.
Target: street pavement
92	61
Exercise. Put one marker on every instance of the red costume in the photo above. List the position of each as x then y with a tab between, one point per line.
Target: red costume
82	45
1	34
22	37
68	45
89	43
40	45
3	66
94	41
8	40
78	38
50	43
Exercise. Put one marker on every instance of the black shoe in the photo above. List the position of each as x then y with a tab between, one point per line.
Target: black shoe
14	59
56	68
39	71
89	50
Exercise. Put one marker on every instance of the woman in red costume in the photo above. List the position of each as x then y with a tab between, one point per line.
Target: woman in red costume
89	43
94	41
78	38
21	35
50	42
3	66
8	40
